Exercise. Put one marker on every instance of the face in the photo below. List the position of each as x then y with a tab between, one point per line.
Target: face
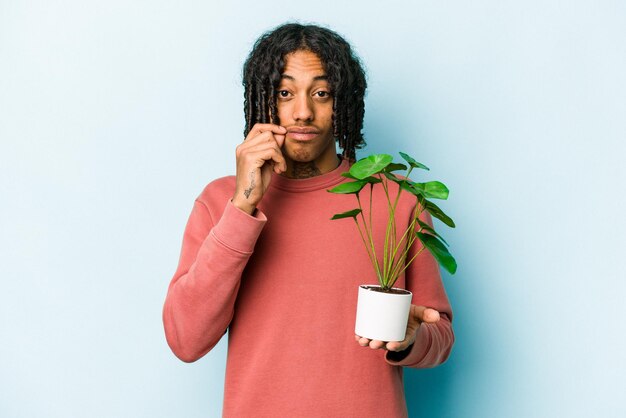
305	108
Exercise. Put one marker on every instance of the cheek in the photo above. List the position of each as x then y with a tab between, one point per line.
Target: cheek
325	113
283	113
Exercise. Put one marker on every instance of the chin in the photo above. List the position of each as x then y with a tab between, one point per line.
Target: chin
301	156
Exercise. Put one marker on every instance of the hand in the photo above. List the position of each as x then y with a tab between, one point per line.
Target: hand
417	315
257	157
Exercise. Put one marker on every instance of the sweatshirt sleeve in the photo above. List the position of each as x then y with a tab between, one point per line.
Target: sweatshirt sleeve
201	296
432	346
433	342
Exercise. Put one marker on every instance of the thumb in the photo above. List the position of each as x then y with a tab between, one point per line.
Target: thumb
424	314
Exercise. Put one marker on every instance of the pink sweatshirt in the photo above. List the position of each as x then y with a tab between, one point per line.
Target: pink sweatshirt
284	283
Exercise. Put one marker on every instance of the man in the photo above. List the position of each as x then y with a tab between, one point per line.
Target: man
261	258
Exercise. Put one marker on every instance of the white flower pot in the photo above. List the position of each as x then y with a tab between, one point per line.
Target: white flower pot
382	316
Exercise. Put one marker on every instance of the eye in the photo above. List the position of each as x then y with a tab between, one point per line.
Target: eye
283	93
322	94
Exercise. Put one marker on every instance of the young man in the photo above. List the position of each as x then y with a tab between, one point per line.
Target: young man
261	258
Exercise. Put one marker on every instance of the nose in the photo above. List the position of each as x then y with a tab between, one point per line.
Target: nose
303	108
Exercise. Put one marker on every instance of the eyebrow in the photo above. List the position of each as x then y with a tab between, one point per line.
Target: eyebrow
316	78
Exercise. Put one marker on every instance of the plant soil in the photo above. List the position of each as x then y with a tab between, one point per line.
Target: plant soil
381	290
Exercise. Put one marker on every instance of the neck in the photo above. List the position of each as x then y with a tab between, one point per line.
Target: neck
305	170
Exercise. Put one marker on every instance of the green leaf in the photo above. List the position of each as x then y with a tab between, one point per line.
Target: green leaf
349	214
405	184
371	165
408	186
412	161
395	167
432	189
435	211
349	187
348	175
373	180
431	231
392	177
439	251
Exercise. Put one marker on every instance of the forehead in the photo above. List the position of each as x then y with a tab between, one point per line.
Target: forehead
303	65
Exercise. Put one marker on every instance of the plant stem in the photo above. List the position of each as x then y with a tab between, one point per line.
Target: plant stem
409	231
395	204
401	265
407	242
389	253
369	254
406	265
370	216
390	261
408	173
369	235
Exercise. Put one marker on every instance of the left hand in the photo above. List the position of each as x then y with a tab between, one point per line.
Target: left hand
417	315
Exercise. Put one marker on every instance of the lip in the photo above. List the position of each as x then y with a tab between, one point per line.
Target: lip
302	134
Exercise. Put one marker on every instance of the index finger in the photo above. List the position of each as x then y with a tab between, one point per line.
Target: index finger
259	128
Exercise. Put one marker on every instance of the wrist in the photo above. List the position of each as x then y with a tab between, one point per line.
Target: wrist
243	206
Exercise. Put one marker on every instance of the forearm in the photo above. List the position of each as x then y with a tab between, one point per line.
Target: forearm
200	300
199	305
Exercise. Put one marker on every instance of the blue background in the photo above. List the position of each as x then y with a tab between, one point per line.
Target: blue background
114	115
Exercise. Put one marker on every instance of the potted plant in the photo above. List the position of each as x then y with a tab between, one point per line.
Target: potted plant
382	310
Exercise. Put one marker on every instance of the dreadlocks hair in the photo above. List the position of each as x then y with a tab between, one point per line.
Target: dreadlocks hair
346	77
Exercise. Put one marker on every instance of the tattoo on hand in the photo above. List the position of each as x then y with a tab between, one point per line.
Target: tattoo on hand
247	192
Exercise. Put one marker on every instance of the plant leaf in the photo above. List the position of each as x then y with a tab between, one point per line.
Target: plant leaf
431	231
408	186
395	167
371	165
412	161
435	211
405	184
348	175
349	214
392	177
439	251
373	180
349	187
432	189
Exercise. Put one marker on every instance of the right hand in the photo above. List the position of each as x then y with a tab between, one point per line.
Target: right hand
257	156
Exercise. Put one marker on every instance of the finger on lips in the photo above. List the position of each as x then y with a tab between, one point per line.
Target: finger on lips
260	128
